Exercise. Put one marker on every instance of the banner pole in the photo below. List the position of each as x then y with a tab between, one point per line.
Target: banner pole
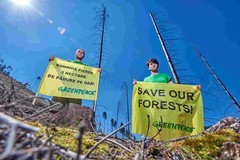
94	106
34	99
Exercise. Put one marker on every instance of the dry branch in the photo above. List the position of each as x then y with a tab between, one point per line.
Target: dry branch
13	121
97	144
116	143
43	110
159	130
19	101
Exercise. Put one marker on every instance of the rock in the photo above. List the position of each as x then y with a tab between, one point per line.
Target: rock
230	150
226	123
72	115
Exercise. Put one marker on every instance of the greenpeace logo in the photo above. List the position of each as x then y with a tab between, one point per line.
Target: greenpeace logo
180	127
76	91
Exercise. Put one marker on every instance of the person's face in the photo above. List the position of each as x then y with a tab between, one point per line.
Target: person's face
153	66
80	54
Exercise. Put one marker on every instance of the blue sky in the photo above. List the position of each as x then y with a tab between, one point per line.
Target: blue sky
29	35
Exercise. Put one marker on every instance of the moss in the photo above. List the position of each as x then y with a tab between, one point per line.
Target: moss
208	145
66	138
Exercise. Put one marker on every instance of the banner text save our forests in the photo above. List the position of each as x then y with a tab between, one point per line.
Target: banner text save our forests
163	104
176	109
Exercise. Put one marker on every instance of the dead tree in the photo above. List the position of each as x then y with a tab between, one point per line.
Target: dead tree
217	78
169	59
125	88
118	110
100	26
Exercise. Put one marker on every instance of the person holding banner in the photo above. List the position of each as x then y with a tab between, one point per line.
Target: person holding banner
165	111
153	65
157	77
80	54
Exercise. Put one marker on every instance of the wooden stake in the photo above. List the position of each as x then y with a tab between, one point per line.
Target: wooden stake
34	99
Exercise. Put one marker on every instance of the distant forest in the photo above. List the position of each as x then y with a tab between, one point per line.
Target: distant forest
5	68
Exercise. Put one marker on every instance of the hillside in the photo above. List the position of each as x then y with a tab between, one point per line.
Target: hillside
12	90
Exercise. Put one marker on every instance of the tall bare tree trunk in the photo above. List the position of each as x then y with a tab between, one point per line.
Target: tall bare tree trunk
103	16
127	102
102	36
169	60
218	79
